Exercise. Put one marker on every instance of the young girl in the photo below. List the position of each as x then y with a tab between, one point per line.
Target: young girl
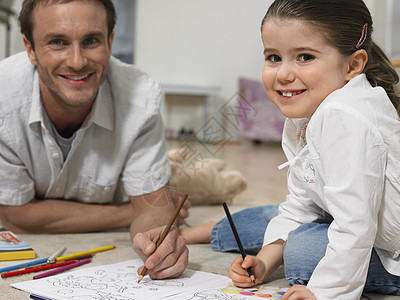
338	231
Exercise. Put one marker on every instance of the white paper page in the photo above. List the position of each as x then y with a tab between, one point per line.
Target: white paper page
119	281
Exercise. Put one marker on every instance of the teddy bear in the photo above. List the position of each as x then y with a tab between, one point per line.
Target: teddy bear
205	180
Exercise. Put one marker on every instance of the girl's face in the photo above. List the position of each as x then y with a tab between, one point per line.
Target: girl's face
300	68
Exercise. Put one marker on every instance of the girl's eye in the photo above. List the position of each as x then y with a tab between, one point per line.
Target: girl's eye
305	57
273	58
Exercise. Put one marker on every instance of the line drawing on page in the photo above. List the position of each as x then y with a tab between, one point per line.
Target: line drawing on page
119	282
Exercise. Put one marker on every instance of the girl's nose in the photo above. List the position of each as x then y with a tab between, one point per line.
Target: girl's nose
285	73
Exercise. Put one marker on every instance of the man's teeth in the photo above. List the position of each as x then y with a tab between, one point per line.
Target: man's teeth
77	77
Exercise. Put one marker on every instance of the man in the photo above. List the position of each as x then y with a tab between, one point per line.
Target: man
79	131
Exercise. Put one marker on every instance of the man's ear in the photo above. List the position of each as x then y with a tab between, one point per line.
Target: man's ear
30	51
357	62
110	41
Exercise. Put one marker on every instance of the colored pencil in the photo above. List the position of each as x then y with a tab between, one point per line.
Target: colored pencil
165	232
238	241
36	297
38	269
52	258
72	256
62	269
81	257
27	264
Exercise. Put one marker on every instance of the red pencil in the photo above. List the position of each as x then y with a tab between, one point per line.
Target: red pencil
37	269
62	269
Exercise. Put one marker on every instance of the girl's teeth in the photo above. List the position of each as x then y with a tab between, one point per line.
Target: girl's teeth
290	94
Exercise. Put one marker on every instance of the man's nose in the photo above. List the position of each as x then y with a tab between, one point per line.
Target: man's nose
76	58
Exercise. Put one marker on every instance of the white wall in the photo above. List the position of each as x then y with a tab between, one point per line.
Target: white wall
200	42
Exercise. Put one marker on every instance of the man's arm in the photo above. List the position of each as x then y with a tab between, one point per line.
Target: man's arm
150	211
61	216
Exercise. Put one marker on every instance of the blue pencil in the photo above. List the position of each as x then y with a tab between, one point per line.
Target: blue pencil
35	297
27	264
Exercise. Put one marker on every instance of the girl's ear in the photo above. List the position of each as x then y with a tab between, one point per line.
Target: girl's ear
357	62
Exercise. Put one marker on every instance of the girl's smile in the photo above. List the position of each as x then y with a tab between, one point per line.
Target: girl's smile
290	93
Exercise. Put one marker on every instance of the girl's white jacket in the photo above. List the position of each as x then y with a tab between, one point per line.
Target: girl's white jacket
345	161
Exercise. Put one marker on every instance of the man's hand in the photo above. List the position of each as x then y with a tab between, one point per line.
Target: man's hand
169	259
151	212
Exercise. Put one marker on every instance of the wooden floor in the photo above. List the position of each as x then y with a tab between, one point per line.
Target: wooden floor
257	162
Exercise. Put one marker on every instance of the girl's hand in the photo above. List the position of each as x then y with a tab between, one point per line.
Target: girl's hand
298	292
238	271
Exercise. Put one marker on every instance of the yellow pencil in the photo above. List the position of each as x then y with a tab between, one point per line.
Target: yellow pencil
71	256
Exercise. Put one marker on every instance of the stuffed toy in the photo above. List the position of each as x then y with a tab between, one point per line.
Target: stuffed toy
205	180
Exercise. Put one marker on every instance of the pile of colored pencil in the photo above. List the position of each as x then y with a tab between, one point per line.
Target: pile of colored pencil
55	263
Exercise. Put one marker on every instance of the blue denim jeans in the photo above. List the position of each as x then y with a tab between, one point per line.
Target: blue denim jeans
306	246
303	250
250	224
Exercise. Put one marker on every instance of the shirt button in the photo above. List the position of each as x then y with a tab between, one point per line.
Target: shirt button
56	155
157	176
107	189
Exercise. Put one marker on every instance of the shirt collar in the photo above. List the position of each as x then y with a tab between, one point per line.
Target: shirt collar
37	109
103	111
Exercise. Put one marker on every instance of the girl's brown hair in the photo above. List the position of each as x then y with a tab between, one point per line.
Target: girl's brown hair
343	22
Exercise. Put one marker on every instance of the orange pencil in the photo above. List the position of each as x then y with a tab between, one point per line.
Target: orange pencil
165	232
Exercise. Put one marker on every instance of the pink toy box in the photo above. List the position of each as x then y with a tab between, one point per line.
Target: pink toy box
259	119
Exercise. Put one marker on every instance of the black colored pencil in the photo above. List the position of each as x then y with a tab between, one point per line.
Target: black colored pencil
238	241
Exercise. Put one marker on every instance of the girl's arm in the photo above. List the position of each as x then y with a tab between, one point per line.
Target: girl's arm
352	162
267	261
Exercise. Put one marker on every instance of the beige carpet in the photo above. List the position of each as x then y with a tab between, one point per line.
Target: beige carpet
266	185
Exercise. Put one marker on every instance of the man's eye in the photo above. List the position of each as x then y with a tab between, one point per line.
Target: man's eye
273	58
90	41
305	57
57	43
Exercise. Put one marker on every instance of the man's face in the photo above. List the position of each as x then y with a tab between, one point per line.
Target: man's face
72	49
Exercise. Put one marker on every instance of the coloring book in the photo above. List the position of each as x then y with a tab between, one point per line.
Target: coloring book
119	282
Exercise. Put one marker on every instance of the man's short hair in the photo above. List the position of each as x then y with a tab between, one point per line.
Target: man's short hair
28	6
